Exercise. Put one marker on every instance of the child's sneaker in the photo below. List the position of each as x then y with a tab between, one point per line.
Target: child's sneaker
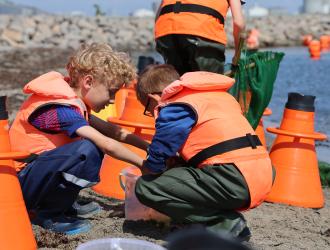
84	210
62	224
241	231
245	235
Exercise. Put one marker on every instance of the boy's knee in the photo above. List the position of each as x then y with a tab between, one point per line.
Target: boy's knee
90	162
89	148
141	190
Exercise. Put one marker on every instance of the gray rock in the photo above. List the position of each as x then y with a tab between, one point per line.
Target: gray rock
14	37
133	33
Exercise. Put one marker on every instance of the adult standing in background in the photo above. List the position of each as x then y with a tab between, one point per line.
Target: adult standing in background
190	34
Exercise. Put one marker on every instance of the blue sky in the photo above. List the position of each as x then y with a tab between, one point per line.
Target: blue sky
123	7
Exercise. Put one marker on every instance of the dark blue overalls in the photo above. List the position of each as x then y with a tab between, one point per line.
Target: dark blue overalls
52	181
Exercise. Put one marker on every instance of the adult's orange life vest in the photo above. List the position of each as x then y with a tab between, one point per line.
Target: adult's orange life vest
204	18
50	88
219	120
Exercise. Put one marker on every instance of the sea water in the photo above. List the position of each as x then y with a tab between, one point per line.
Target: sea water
299	73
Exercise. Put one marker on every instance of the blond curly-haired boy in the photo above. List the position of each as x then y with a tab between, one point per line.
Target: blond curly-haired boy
66	142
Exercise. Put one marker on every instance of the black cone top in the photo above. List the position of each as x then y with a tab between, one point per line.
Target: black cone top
301	102
3	109
143	62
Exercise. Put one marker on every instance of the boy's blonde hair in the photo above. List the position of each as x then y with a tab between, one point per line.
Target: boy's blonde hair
104	64
154	79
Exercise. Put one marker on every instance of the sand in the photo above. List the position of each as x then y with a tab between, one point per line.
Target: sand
273	226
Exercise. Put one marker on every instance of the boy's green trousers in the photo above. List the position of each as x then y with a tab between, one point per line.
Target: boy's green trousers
188	195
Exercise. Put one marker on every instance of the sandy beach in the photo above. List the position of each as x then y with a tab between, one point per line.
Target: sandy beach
273	226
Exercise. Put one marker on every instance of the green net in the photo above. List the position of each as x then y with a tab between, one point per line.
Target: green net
324	169
254	81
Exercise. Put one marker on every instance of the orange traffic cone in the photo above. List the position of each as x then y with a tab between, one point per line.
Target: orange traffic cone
307	39
260	129
324	40
293	155
15	227
132	119
315	49
120	99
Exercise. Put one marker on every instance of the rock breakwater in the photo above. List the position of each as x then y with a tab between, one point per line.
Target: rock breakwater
131	33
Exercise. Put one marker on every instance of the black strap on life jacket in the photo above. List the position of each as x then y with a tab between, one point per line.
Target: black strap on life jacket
225	146
194	8
28	159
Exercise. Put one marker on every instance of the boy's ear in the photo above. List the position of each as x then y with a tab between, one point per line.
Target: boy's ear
155	97
87	81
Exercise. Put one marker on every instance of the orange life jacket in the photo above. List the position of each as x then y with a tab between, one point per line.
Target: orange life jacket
204	18
220	119
50	88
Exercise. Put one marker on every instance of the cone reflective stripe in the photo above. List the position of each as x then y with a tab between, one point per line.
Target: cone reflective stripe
132	119
260	132
15	227
294	157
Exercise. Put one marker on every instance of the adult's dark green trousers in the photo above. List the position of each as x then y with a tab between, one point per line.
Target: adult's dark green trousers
189	53
188	195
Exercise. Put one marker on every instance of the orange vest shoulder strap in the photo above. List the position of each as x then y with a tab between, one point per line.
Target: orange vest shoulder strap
225	146
193	8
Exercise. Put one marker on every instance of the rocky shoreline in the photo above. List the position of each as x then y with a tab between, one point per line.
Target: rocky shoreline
132	33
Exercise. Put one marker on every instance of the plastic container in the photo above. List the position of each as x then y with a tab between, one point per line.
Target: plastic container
119	244
134	210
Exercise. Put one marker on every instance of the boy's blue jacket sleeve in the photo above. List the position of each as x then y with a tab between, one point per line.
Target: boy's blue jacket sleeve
173	126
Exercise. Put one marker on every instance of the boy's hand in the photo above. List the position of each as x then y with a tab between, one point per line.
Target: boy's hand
145	170
174	162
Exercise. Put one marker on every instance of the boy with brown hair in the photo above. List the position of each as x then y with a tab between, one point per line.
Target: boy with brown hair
224	169
66	142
